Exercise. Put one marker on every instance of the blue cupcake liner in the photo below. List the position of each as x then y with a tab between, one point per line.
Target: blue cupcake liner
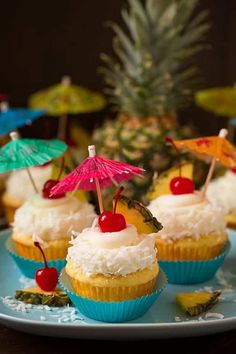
27	266
193	272
113	312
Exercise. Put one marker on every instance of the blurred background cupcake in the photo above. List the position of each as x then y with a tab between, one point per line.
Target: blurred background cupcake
222	191
19	189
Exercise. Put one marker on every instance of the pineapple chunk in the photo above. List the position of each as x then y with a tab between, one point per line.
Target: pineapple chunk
198	302
36	296
161	184
137	214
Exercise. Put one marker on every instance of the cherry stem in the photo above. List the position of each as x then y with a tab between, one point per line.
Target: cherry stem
61	168
117	195
171	141
37	244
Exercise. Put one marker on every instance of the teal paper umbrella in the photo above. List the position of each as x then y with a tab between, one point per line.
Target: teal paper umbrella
25	153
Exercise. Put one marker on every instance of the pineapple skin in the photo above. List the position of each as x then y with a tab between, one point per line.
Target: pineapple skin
137	214
141	142
190	302
36	296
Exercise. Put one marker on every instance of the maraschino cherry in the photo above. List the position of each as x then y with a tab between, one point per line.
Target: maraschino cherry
233	170
49	184
180	185
47	277
110	221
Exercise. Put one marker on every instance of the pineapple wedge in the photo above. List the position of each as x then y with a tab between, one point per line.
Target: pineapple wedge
137	214
161	184
36	296
198	302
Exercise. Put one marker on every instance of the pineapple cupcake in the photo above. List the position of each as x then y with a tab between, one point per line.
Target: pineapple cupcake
113	263
222	191
48	220
193	229
19	189
193	242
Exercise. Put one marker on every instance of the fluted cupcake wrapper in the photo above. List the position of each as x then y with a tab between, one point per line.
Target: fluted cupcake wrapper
193	272
27	266
120	311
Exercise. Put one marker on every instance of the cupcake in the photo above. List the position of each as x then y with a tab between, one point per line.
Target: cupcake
222	191
112	261
19	188
50	221
193	228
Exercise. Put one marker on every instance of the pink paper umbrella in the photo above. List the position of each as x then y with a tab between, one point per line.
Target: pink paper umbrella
96	172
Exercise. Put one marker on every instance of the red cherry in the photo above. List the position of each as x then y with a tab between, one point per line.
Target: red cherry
181	185
233	170
47	277
47	190
110	222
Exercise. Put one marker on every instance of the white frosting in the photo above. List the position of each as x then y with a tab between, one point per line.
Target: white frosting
52	219
222	191
18	185
116	253
187	215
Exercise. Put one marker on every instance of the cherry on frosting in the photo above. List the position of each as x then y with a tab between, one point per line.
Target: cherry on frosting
110	221
47	277
180	185
46	192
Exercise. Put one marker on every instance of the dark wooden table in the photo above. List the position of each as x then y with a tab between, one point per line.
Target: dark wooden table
13	342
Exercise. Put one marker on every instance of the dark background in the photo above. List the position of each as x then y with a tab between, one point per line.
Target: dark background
43	40
40	42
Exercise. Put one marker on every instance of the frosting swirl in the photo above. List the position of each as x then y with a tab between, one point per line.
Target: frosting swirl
52	219
187	215
112	254
222	191
20	178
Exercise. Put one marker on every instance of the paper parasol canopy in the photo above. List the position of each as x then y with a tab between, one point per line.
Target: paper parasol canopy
12	118
216	147
24	153
95	172
65	98
219	100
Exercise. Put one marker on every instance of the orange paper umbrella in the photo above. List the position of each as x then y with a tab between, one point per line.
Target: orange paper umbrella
216	147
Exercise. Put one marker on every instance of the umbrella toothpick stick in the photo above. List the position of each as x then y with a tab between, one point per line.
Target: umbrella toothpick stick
62	127
14	136
92	153
32	180
222	134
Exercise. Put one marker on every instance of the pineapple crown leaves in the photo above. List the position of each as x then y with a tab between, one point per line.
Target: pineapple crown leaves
151	72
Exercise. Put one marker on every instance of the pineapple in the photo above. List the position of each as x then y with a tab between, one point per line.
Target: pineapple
148	80
137	214
36	296
198	302
161	184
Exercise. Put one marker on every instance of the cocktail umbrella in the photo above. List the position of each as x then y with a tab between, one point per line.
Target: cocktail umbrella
63	99
216	147
96	172
220	101
25	153
12	118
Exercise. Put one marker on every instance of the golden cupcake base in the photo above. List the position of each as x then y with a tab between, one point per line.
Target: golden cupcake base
113	289
187	248
55	250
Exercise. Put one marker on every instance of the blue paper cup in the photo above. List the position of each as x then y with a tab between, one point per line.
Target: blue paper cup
193	272
27	266
121	311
